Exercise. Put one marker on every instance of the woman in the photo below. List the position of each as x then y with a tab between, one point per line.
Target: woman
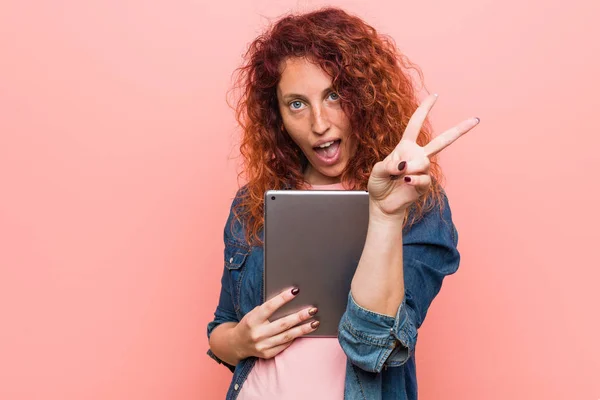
328	103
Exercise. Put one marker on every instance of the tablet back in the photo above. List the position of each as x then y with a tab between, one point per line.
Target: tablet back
314	240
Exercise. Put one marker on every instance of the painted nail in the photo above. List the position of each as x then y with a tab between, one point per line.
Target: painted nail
295	291
315	324
312	311
407	179
401	166
393	177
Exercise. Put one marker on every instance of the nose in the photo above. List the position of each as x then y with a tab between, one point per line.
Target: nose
320	122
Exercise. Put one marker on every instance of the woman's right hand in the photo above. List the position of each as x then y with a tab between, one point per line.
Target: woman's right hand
256	336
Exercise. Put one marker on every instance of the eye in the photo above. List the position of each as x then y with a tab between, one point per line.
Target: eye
296	105
334	96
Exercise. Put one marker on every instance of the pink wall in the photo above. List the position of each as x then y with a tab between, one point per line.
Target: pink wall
116	176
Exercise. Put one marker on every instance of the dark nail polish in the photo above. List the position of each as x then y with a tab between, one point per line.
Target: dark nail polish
312	311
315	324
407	179
295	291
401	165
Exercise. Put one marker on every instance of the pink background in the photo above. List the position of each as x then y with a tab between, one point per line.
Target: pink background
117	170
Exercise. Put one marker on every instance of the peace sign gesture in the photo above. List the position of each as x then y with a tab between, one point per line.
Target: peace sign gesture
403	176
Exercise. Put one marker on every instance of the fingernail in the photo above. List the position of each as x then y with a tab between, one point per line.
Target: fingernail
401	165
313	311
393	177
407	179
477	118
315	324
435	94
295	291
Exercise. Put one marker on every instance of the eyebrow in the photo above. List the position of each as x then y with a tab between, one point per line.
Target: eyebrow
289	96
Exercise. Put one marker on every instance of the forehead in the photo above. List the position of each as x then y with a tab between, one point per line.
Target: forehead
301	76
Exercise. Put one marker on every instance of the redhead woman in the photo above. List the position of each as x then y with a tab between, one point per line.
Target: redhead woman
328	103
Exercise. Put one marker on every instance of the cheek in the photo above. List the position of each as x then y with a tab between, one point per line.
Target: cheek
296	138
342	121
346	128
296	130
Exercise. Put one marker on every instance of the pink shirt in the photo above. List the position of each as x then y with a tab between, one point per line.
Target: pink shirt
311	368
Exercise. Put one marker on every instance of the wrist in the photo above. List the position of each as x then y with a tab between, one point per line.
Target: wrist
234	344
380	217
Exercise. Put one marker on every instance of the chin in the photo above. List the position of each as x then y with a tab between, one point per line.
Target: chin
333	171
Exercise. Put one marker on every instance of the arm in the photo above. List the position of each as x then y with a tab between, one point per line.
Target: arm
225	319
372	338
232	339
400	273
378	283
222	344
219	330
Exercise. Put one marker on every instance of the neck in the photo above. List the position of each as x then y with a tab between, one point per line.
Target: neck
313	177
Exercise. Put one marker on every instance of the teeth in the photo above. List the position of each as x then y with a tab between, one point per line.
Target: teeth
326	144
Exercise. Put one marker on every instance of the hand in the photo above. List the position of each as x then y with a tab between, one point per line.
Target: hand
258	337
403	176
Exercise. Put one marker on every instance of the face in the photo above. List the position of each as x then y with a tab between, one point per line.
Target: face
313	117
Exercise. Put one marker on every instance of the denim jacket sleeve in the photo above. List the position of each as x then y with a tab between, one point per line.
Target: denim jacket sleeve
371	340
225	311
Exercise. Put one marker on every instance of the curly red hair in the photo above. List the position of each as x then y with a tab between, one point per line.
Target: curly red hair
372	79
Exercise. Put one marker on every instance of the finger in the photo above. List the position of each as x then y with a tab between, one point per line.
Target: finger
450	136
421	183
272	352
418	118
381	169
290	321
415	166
272	305
291	334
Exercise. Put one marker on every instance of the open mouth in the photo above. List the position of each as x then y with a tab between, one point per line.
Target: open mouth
329	149
329	152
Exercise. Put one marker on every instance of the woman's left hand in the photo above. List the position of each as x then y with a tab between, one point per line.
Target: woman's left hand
403	176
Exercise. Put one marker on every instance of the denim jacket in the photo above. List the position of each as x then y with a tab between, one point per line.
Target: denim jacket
380	349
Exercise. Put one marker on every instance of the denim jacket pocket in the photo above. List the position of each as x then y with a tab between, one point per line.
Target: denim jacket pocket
235	255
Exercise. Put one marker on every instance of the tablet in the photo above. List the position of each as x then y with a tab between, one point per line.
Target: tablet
313	240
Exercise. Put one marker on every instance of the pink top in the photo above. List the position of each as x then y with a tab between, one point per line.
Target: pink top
311	368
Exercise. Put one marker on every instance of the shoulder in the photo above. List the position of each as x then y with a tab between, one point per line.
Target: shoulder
234	233
239	196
